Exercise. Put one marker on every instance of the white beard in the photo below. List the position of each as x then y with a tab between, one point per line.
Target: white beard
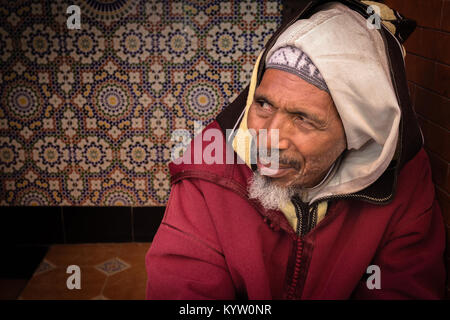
271	196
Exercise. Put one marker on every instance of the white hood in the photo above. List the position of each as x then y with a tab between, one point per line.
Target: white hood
352	60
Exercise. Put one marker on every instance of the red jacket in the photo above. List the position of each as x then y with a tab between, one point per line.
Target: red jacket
216	243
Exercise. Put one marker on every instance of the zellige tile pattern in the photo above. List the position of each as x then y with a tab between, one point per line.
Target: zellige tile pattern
86	115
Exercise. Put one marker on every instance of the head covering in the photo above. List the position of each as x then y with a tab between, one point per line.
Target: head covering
294	60
352	59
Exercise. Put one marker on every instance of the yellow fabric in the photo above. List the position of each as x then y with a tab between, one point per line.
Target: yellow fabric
289	213
242	142
242	139
322	210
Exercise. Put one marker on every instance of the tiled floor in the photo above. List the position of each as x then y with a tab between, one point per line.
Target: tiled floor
107	271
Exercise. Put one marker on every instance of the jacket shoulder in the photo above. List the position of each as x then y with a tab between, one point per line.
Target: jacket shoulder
210	157
415	181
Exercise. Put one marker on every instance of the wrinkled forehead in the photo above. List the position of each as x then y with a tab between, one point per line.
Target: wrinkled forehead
292	94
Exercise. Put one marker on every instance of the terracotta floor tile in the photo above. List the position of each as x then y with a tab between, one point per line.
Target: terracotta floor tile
100	297
134	253
49	280
126	285
82	254
52	285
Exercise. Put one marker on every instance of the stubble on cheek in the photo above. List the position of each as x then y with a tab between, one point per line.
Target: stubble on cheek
312	172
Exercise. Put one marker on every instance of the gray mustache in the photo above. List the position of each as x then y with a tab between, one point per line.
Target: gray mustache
283	161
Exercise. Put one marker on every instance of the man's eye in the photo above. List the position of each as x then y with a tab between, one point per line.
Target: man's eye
264	105
303	122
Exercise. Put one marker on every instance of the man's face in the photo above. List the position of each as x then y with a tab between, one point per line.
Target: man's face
311	134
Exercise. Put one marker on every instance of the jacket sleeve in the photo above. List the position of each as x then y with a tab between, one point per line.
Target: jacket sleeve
411	261
185	259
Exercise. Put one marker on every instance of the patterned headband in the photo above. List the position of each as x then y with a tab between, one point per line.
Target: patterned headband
295	61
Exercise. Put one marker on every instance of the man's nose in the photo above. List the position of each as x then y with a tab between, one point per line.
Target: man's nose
278	132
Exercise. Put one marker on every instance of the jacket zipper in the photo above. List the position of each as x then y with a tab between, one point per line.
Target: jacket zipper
305	221
354	196
296	273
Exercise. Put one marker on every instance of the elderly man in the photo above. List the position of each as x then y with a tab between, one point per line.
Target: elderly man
348	209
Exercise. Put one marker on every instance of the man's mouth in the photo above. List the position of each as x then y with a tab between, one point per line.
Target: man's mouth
276	172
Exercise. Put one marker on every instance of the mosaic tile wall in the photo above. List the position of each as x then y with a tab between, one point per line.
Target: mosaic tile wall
86	115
